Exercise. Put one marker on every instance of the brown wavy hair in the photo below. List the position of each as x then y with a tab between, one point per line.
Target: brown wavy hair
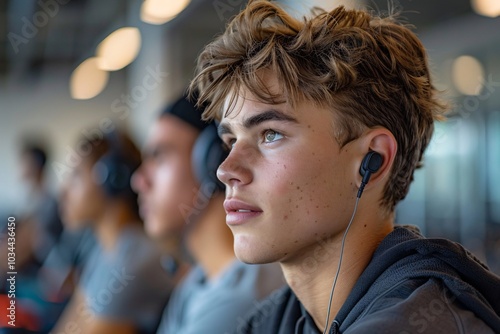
369	70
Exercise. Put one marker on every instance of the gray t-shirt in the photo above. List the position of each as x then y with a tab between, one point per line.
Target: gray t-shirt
216	306
127	283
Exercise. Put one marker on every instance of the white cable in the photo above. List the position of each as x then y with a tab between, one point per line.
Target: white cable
340	263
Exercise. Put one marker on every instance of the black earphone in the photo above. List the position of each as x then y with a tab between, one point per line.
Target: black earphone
112	172
371	164
208	153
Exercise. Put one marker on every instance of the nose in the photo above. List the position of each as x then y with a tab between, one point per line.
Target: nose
139	181
235	169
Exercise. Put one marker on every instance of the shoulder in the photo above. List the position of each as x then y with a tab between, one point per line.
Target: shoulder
235	292
140	259
220	304
417	306
137	255
130	274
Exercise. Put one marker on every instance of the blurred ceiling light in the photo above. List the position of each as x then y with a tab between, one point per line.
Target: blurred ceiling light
119	49
468	75
87	80
489	8
161	11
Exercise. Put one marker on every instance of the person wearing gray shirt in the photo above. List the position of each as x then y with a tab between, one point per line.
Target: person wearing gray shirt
127	283
123	287
199	304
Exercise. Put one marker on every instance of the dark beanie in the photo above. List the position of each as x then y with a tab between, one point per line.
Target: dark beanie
184	108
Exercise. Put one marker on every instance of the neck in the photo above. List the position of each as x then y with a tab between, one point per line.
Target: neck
172	245
110	224
313	286
210	240
38	185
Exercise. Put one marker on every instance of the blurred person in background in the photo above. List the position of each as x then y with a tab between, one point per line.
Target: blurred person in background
180	198
47	255
37	231
39	226
122	288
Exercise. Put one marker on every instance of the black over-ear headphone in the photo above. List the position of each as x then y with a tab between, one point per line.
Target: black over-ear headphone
114	169
371	164
208	153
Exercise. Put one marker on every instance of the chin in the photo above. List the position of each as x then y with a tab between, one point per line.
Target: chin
254	252
154	229
161	229
256	257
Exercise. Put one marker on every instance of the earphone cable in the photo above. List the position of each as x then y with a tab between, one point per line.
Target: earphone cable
340	263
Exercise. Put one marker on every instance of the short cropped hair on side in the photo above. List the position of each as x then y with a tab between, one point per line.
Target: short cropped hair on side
369	70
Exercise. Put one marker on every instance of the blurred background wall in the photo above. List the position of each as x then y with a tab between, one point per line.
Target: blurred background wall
50	90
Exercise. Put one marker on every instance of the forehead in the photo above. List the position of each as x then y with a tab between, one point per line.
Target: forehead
171	130
246	105
82	169
244	98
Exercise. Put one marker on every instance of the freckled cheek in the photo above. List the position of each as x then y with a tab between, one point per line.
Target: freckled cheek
279	177
310	189
287	186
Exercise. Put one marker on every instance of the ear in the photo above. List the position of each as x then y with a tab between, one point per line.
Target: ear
380	140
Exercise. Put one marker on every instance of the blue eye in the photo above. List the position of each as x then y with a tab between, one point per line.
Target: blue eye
272	136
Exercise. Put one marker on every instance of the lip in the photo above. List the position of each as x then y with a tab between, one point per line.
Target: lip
143	208
143	212
236	217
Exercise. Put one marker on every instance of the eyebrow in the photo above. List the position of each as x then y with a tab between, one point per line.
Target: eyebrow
250	122
150	151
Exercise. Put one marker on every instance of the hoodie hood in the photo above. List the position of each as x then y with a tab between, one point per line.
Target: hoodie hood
404	255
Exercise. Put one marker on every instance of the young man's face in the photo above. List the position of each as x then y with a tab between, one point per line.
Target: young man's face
29	170
165	182
82	201
287	169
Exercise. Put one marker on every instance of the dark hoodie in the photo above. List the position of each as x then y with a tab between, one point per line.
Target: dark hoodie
411	285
